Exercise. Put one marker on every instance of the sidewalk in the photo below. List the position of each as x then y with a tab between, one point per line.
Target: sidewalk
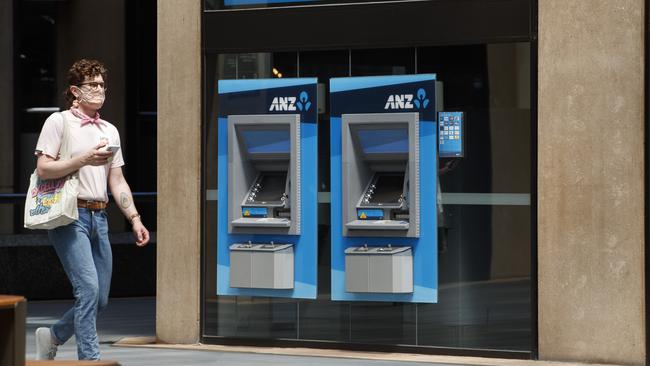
134	319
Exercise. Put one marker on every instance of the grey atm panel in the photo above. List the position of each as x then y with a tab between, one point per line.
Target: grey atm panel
261	266
381	174
264	174
379	269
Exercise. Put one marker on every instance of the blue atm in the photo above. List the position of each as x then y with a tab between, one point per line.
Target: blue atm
383	188
267	184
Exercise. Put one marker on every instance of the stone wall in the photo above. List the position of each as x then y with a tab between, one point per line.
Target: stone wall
591	181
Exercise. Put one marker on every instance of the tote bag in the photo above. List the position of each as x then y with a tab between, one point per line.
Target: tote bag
53	202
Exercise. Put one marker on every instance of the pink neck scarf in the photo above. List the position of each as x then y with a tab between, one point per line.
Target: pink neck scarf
85	119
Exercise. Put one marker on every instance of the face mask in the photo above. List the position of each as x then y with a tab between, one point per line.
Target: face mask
93	97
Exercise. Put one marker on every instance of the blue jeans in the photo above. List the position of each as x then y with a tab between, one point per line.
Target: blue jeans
85	252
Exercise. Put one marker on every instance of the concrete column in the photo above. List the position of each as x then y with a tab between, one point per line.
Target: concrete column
6	112
179	171
591	183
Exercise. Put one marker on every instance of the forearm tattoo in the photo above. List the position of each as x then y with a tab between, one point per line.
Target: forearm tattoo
125	201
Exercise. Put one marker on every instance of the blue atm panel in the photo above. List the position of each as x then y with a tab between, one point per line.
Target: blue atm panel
383	145
267	188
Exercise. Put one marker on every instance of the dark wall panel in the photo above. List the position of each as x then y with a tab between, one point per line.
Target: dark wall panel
368	25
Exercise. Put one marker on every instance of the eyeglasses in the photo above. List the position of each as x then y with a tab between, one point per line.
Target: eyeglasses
94	84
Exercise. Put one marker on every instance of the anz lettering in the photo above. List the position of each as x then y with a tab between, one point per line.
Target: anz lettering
283	104
399	101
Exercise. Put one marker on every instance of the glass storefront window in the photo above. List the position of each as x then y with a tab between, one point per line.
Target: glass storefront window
484	236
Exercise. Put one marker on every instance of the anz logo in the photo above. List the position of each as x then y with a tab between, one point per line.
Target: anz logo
406	101
283	104
301	103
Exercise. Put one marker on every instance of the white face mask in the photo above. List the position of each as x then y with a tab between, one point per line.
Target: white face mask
92	97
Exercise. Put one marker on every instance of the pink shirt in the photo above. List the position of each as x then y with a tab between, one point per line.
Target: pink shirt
92	179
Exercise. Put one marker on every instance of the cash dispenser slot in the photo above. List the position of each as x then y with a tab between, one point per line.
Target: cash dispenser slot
267	265
264	174
383	200
380	174
384	269
266	203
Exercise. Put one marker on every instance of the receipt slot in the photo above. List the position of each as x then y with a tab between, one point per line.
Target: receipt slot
267	196
383	188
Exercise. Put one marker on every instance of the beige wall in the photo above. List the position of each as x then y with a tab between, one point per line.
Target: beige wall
591	185
179	157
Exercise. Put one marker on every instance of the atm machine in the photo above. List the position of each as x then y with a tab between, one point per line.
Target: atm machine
383	188
263	165
379	154
267	197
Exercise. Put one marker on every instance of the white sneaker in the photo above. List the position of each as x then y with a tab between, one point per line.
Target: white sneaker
45	346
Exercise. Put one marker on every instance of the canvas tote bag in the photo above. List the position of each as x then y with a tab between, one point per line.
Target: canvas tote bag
53	202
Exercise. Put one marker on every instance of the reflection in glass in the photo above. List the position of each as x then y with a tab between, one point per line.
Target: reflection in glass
251	317
396	61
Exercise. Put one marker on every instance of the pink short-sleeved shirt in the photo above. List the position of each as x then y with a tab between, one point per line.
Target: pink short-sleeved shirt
92	179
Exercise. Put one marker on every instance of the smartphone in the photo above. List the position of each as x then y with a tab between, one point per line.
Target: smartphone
112	148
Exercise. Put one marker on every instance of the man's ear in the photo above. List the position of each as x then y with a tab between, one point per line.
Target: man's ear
74	90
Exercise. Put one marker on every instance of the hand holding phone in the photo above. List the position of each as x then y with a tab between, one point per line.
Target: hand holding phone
112	148
98	155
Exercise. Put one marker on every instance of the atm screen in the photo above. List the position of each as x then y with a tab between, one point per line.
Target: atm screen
384	141
271	187
388	188
267	141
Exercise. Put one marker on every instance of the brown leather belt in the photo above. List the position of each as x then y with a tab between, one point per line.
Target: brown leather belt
91	205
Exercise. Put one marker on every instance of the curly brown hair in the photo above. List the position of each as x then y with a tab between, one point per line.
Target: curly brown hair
81	70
